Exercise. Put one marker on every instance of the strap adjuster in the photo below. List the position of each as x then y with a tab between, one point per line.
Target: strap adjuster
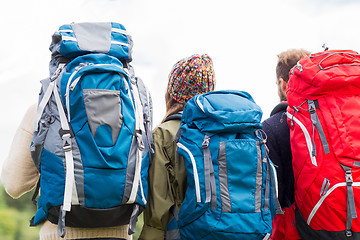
349	178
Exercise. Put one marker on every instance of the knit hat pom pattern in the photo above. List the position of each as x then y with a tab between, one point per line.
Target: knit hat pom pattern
191	76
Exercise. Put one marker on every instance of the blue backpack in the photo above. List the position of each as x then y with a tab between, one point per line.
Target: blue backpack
92	133
231	181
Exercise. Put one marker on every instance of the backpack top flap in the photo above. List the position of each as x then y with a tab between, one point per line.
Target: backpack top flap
76	39
328	72
222	111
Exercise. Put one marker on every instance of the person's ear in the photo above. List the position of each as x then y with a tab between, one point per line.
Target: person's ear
283	85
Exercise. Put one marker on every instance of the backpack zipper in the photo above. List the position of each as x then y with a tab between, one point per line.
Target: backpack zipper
307	137
322	199
196	176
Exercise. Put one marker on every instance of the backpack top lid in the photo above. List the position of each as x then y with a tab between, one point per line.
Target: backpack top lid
328	72
76	39
222	111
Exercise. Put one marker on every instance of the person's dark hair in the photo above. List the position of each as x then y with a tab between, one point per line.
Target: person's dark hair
172	106
287	60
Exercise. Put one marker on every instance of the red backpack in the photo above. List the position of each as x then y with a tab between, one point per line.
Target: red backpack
324	119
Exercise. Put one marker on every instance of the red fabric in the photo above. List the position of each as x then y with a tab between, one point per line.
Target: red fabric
284	227
333	79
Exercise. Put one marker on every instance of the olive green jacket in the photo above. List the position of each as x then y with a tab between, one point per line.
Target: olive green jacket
167	182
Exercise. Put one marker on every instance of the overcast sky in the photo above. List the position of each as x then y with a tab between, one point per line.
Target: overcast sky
242	37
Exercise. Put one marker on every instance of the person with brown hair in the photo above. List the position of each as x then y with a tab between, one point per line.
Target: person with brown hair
167	178
278	142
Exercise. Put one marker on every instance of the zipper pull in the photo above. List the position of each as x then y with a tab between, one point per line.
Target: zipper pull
57	72
206	142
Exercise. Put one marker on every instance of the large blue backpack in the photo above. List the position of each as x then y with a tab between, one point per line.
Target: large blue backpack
92	133
231	181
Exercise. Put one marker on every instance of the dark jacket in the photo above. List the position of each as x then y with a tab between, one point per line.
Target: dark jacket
278	142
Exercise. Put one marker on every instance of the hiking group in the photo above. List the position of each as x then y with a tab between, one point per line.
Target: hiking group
211	170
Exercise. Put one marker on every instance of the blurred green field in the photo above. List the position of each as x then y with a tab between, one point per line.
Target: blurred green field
15	216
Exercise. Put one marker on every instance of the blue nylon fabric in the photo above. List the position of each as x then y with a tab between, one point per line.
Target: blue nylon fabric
232	226
234	124
70	49
114	157
223	112
100	157
107	183
52	180
103	136
242	173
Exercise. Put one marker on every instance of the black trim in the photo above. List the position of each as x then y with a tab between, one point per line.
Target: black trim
36	193
176	116
83	217
279	108
307	233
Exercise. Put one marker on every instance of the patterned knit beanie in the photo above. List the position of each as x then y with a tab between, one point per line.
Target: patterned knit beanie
191	76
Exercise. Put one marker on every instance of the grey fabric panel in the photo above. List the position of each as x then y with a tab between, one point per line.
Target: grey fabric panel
93	37
103	107
223	180
356	164
130	46
54	144
273	183
130	170
213	186
351	210
146	102
259	179
350	192
39	136
267	186
317	124
78	172
207	159
134	216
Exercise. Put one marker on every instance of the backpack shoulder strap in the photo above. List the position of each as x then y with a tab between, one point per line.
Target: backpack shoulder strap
176	116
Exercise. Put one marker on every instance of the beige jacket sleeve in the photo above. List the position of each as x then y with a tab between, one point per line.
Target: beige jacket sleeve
19	174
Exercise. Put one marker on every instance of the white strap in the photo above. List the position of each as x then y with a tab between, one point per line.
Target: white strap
67	38
275	179
137	176
142	192
65	30
69	161
267	236
118	30
139	114
69	180
47	95
42	105
67	101
119	43
63	120
139	129
73	39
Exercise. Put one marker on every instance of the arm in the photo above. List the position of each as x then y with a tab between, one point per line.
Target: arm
160	196
19	174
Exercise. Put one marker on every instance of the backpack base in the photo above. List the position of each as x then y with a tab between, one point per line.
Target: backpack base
83	217
307	233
